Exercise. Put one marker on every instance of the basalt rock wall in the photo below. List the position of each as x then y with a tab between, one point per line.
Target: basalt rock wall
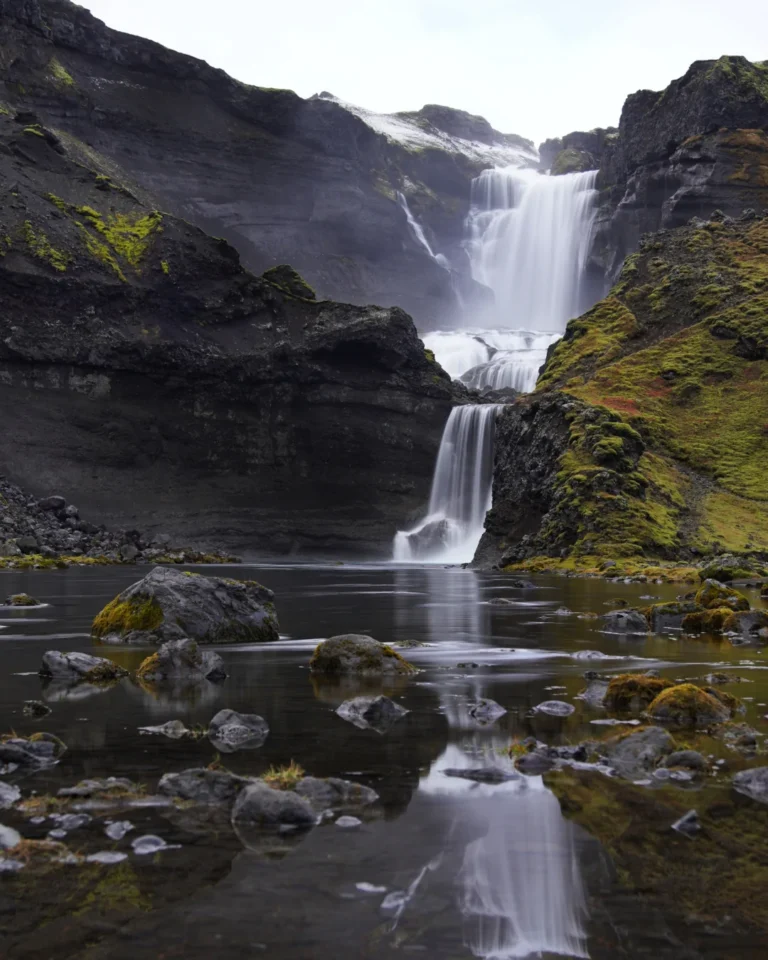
146	374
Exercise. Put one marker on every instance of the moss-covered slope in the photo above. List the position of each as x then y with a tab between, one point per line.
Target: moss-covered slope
657	403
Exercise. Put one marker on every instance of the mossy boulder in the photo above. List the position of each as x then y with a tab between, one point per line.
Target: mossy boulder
713	593
22	600
289	282
687	705
171	605
749	625
632	693
572	160
353	653
726	568
733	704
707	621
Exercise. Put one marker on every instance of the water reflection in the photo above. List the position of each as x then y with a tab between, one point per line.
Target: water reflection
452	603
520	886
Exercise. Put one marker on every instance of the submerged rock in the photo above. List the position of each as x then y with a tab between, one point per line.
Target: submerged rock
262	805
753	783
555	708
626	621
41	750
594	692
173	729
98	787
229	731
170	605
634	754
182	661
429	539
353	653
331	792
481	774
486	711
378	713
691	759
79	667
34	708
688	705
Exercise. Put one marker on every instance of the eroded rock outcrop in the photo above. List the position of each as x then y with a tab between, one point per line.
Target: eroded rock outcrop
646	431
698	146
169	388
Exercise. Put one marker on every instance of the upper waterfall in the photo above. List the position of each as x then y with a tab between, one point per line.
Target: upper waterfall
529	237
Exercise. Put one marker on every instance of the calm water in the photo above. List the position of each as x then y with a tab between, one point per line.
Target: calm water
448	868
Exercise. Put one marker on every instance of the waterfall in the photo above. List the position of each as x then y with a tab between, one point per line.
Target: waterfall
529	239
461	491
492	359
418	232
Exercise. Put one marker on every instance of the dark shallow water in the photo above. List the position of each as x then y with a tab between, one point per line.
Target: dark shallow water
469	870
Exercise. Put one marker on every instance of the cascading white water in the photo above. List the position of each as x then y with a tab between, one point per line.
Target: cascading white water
529	239
461	491
491	359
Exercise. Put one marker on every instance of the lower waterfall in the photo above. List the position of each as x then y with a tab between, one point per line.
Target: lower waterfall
461	491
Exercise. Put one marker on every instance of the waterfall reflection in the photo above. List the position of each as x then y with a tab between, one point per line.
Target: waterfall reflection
520	889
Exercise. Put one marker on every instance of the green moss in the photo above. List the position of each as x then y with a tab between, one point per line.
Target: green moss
35	131
105	673
632	693
686	705
41	248
148	667
5	111
571	161
430	355
123	616
164	266
128	236
706	621
719	875
713	594
285	279
61	77
22	600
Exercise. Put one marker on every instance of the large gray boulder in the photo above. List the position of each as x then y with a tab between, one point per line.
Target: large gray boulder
182	662
262	805
77	667
353	653
636	754
335	793
229	731
18	753
753	783
377	713
169	604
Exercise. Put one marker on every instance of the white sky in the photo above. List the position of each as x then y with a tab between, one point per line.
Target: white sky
539	68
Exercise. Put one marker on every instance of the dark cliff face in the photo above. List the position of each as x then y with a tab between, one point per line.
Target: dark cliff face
646	436
285	180
695	147
145	372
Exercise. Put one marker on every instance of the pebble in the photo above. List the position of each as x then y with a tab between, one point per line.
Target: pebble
348	823
149	843
118	829
106	856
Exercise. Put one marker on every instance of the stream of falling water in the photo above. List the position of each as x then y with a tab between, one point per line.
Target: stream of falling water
528	239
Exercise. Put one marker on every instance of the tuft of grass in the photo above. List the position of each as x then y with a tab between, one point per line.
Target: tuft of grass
285	777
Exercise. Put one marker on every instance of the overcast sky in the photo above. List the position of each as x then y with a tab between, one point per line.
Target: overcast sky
535	67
